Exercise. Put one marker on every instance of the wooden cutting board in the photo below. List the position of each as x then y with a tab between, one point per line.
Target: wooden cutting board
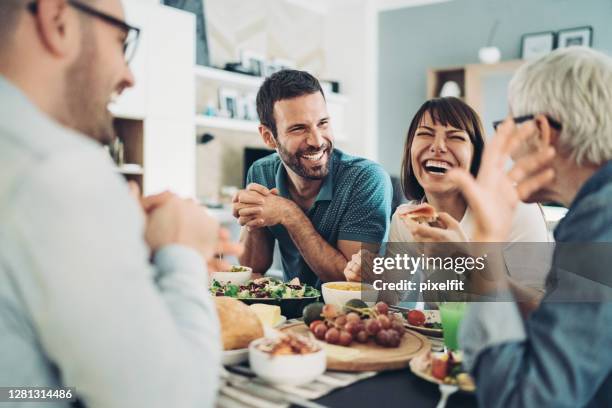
369	356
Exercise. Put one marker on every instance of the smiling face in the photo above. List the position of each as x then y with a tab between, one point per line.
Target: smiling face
435	149
91	83
304	138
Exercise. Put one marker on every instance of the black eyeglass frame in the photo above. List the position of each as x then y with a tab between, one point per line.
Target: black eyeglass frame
33	8
520	119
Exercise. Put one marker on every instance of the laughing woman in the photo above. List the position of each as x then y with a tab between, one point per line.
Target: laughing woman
446	133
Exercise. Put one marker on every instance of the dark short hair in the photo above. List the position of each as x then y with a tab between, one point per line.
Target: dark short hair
285	84
445	111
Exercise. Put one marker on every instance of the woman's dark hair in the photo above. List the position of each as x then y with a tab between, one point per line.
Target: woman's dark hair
444	111
286	84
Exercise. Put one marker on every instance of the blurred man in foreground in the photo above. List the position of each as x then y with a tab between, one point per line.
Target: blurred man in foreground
561	136
80	304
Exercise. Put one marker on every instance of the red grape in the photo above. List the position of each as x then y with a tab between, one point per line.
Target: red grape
398	327
382	338
314	324
372	326
320	331
393	338
362	337
332	336
382	308
345	338
353	317
340	321
329	311
352	327
384	321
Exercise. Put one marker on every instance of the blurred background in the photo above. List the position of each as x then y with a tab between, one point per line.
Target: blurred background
190	123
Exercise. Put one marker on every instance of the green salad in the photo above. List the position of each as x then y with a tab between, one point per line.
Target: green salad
264	288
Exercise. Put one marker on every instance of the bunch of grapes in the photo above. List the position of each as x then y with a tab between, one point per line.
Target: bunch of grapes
360	325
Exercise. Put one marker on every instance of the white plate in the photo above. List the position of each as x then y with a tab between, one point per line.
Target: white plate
421	367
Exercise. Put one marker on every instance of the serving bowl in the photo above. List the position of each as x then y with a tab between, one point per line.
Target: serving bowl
290	369
338	293
237	278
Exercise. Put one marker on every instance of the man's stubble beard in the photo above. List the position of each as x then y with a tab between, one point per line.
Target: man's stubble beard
293	162
86	94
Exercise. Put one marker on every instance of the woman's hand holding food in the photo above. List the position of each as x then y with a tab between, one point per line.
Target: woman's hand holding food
448	230
359	268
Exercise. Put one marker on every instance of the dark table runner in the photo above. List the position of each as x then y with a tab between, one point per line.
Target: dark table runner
393	389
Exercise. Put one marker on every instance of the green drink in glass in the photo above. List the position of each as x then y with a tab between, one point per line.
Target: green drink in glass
451	314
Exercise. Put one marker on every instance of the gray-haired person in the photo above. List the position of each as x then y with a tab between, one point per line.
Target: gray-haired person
561	138
80	304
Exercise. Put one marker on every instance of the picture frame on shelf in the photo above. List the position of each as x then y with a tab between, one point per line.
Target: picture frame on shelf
228	102
252	106
535	45
577	36
278	64
242	107
253	62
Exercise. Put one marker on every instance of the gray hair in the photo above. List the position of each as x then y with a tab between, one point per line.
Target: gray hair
574	86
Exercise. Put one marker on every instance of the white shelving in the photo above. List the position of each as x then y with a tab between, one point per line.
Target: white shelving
130	169
227	77
214	122
243	80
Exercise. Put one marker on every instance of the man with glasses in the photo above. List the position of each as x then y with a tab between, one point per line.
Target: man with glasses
80	304
561	138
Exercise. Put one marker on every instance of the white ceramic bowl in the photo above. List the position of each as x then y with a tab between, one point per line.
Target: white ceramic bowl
238	278
295	369
234	357
339	297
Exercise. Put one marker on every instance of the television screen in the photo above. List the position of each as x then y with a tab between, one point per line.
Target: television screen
251	155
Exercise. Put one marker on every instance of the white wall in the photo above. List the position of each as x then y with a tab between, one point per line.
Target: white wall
351	56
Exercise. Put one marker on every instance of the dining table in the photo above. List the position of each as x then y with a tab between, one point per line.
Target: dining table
400	388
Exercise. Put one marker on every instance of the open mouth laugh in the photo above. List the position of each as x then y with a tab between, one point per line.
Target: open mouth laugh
437	167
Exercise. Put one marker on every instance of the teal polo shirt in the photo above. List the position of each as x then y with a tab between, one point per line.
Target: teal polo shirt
354	204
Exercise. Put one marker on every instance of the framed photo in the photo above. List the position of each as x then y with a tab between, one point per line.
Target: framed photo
242	107
535	45
228	102
253	62
252	106
575	36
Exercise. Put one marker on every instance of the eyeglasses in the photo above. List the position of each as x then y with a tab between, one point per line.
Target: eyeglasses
130	44
520	119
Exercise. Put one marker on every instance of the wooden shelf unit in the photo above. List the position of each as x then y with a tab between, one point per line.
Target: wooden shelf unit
468	77
483	87
131	133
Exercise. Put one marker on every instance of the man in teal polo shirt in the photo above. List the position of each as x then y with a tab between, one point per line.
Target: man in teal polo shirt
320	204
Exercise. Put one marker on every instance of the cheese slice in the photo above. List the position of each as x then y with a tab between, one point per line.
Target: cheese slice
269	315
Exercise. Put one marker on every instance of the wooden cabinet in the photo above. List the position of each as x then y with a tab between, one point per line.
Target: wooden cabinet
484	87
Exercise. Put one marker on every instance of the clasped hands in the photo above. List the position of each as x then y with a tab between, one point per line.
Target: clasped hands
257	207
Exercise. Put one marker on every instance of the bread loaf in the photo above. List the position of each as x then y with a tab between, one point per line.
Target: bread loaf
239	324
